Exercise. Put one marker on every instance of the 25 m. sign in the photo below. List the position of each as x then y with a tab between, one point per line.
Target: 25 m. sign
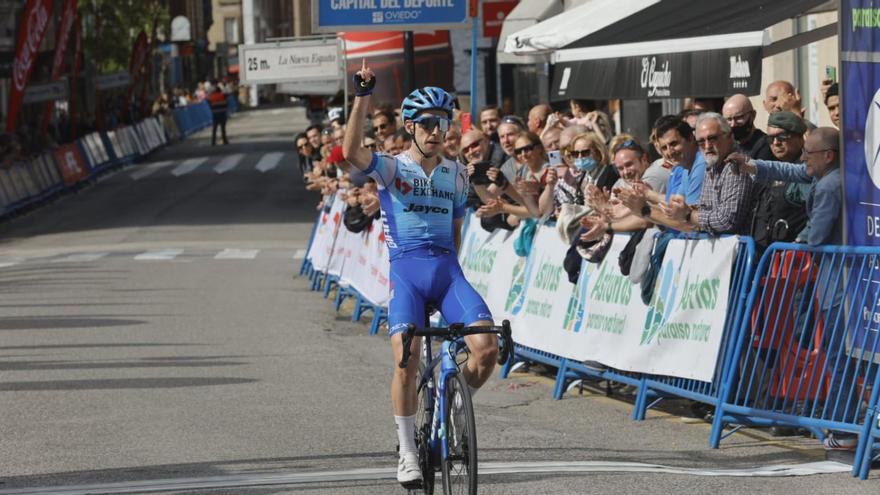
388	15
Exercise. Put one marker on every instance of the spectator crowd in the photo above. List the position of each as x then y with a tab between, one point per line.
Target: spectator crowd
709	169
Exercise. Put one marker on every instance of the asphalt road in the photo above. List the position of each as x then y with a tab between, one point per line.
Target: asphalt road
153	337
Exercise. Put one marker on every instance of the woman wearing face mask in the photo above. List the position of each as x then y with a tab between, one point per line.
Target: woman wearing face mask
589	159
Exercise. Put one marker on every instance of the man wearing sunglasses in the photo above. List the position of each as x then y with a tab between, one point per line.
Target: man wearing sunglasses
384	124
423	197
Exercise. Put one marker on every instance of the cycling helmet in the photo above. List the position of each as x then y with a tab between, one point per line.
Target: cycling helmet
427	98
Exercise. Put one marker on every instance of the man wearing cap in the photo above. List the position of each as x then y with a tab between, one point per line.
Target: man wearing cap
785	133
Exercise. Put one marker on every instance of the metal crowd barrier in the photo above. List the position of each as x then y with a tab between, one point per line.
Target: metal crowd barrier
27	184
807	350
801	347
707	392
193	118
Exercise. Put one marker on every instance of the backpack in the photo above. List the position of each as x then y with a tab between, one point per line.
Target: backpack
779	214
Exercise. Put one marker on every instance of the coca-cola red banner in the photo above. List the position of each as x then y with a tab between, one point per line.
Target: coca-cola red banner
34	22
71	163
138	55
62	40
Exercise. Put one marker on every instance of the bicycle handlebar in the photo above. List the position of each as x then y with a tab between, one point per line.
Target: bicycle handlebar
455	331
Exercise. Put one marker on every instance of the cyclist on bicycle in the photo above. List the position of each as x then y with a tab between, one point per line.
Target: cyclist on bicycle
422	195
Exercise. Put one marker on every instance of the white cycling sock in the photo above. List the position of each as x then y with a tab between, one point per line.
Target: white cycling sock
406	434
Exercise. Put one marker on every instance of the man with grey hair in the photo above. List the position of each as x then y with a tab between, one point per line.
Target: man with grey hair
726	198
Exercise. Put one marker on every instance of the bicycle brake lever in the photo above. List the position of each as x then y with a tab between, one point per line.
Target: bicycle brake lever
507	343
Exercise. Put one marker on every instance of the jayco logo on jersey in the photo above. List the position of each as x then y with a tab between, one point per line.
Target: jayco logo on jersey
425	209
402	186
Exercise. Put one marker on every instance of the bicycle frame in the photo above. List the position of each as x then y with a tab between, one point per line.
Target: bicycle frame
436	406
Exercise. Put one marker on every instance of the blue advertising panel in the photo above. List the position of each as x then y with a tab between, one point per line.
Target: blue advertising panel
860	120
331	16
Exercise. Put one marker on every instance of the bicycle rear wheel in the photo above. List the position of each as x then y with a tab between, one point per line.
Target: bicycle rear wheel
460	465
424	417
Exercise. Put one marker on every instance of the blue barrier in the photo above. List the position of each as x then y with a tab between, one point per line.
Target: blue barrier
804	356
707	392
193	118
791	353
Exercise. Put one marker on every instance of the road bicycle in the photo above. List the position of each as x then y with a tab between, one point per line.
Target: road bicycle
446	433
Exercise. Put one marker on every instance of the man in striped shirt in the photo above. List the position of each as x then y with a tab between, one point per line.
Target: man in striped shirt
726	198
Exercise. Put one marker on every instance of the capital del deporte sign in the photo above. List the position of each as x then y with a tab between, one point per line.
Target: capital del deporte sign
388	15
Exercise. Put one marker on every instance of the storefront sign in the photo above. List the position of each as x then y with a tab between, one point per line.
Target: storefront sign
674	75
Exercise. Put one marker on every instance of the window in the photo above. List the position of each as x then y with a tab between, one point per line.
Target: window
230	26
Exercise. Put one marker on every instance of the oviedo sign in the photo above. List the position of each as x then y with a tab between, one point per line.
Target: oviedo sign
388	15
673	75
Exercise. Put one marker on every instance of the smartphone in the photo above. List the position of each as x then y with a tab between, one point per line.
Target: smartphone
555	158
479	178
831	73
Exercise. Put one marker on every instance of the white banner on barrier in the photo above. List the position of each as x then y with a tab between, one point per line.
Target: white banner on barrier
376	285
322	244
602	317
540	306
679	333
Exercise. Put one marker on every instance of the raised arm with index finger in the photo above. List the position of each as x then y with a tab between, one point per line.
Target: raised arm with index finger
353	149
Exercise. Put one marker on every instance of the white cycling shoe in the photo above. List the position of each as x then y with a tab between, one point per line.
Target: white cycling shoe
408	473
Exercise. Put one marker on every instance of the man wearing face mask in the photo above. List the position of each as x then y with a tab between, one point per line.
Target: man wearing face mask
740	114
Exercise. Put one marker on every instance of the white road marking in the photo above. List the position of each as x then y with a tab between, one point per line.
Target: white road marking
188	166
237	254
269	161
159	255
373	474
80	258
7	264
299	254
228	163
147	169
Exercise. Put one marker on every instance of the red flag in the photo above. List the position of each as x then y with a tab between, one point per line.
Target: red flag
34	22
77	64
138	54
62	40
148	70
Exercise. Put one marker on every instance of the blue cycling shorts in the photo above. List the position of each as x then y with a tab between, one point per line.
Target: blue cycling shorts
431	275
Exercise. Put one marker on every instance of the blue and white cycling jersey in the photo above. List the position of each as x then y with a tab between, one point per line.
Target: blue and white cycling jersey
419	210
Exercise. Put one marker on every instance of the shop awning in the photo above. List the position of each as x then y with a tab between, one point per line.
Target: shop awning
723	65
658	48
607	22
527	13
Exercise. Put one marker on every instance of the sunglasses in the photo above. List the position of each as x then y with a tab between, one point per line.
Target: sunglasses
431	123
513	119
382	127
524	149
371	146
301	146
782	138
581	154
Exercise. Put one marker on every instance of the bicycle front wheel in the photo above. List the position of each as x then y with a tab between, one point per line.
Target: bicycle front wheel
460	464
424	419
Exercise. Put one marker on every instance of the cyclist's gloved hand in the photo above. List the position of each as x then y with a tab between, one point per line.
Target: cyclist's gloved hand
364	81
